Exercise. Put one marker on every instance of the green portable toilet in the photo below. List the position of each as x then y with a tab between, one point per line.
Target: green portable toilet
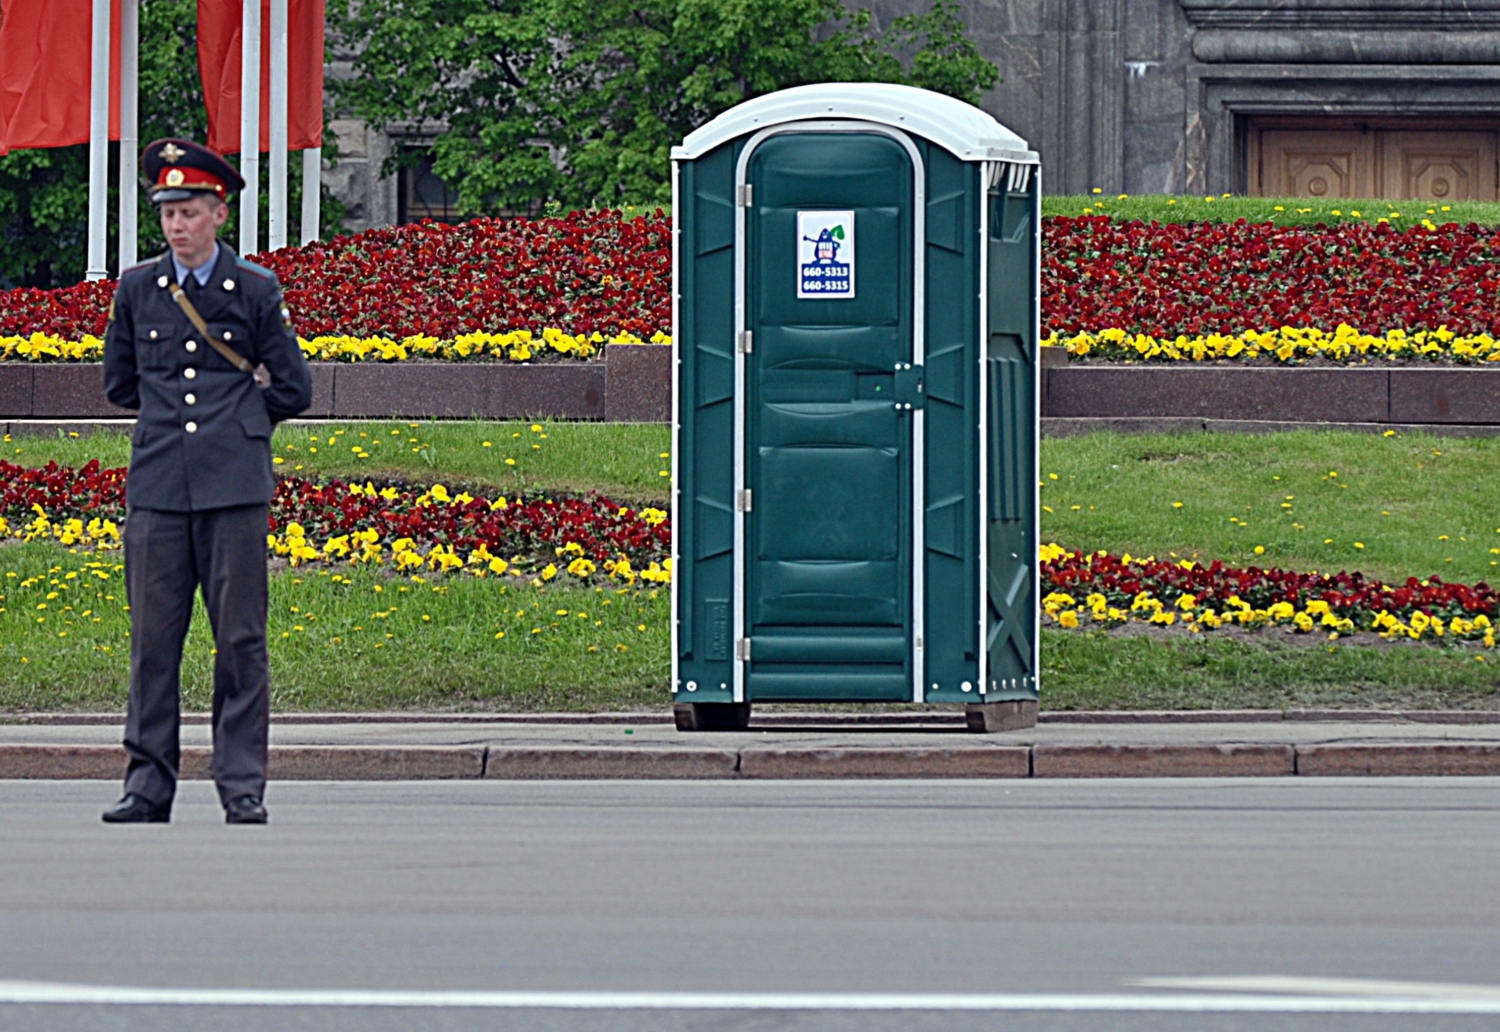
855	407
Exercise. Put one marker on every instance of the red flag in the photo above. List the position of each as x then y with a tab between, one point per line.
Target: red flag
44	73
219	56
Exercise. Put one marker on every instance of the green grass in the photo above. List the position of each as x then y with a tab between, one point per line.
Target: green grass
368	641
1091	670
434	649
1419	505
623	460
1295	211
1124	487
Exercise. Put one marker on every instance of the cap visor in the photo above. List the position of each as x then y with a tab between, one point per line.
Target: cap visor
180	193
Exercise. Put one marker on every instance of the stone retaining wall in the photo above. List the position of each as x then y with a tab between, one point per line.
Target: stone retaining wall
1391	395
632	384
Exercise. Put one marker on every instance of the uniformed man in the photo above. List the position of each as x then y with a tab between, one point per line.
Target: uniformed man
201	344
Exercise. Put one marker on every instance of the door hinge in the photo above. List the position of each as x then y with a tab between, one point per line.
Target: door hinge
742	500
746	342
746	195
742	650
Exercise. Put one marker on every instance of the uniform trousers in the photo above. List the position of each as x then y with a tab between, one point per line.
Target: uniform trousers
168	557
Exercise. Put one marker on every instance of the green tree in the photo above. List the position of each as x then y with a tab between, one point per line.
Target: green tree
580	101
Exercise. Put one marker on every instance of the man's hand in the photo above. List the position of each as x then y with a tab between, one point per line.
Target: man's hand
262	376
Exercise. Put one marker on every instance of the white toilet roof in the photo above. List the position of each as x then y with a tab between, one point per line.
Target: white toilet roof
961	129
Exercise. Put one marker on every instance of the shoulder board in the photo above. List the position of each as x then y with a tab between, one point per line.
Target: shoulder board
259	270
148	263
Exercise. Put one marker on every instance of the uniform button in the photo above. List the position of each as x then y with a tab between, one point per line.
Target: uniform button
228	335
191	345
153	334
191	428
191	399
190	373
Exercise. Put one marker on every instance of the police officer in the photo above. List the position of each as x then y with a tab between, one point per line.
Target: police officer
200	343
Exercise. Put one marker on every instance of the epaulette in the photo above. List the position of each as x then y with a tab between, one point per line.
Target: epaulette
259	270
140	265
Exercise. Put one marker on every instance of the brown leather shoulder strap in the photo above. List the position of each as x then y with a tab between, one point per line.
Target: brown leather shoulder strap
240	361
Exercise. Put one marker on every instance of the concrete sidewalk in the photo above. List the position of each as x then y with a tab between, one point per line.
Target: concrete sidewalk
804	745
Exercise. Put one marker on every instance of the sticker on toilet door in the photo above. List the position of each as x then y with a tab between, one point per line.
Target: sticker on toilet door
825	254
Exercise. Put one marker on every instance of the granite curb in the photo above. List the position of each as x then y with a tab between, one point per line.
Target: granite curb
814	718
591	763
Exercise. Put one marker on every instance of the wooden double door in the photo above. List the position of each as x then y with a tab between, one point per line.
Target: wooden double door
1397	162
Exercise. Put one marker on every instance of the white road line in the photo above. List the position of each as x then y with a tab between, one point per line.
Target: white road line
1328	986
63	994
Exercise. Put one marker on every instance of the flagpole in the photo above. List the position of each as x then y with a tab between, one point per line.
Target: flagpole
98	142
249	127
277	227
312	193
130	64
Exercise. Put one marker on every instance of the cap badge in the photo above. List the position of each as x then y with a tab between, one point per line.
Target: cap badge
172	154
174	177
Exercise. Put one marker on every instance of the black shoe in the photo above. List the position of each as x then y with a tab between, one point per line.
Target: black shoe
245	809
135	809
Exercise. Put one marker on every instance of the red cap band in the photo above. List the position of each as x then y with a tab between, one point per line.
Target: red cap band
182	177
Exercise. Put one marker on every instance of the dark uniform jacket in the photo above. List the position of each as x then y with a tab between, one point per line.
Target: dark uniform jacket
203	436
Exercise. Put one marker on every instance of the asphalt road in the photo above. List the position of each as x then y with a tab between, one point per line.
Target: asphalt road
1067	893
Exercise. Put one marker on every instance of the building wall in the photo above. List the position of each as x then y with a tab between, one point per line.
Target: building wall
1153	96
1428	65
1171	96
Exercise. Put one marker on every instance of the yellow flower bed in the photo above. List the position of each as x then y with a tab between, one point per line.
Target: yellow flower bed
95	534
1287	344
1067	612
45	347
516	346
366	547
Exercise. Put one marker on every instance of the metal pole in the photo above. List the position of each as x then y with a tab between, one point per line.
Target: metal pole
250	128
98	142
312	192
130	63
277	227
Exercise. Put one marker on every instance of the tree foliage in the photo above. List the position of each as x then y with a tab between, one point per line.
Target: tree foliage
580	101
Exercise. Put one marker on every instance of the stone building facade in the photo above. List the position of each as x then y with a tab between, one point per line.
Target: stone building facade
1321	98
1383	98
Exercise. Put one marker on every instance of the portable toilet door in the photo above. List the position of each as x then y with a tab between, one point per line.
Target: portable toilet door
833	404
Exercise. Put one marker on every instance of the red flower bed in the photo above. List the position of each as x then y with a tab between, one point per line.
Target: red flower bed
529	526
599	271
1209	277
588	272
1348	595
61	492
592	527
